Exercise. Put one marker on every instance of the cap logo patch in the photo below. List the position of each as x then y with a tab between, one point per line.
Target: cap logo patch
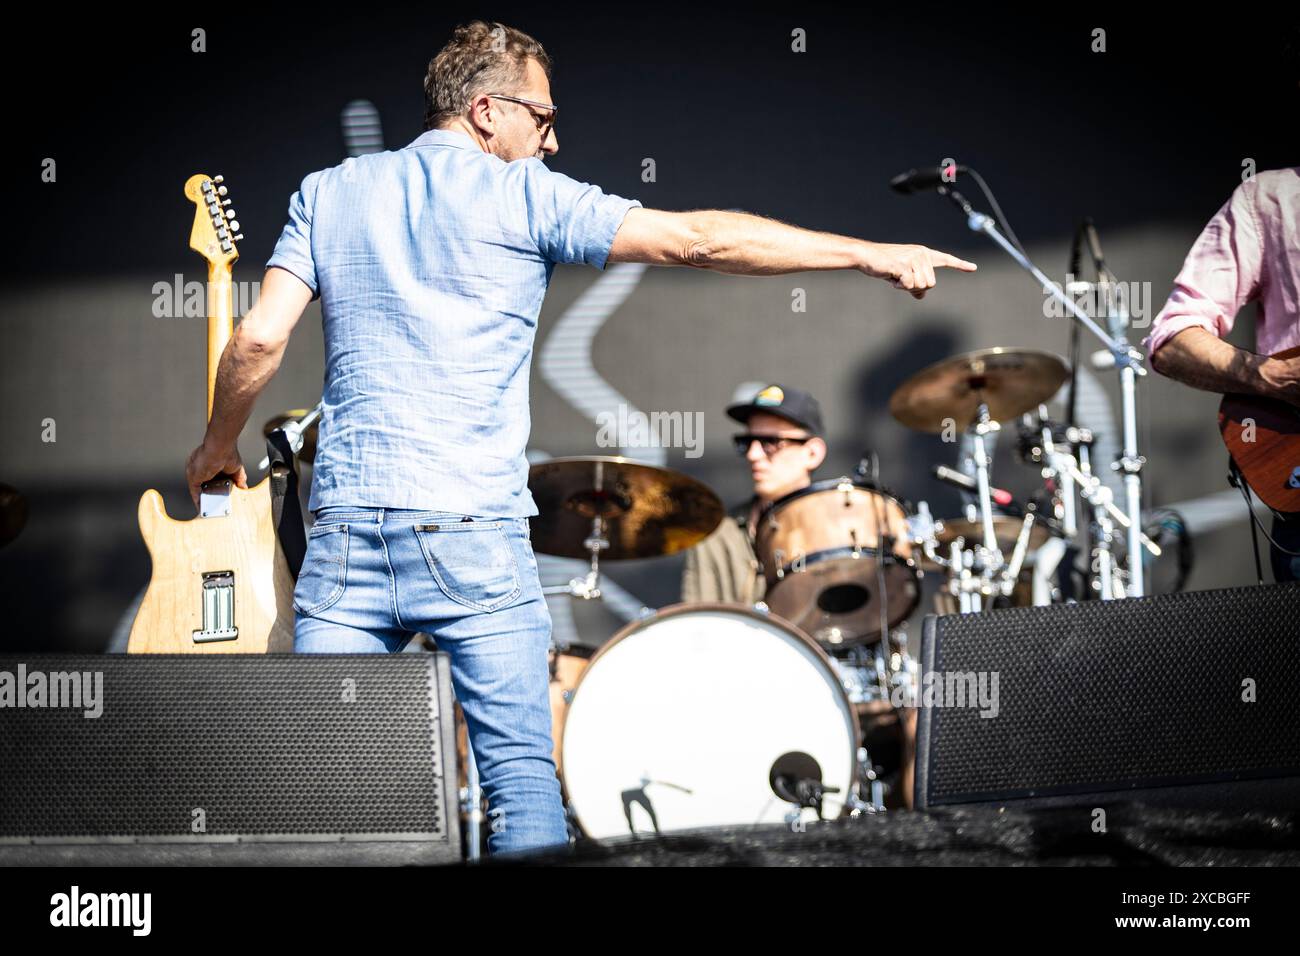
772	395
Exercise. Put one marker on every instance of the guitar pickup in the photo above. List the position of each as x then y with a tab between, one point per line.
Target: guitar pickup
218	608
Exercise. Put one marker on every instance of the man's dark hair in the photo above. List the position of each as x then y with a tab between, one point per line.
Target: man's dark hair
479	58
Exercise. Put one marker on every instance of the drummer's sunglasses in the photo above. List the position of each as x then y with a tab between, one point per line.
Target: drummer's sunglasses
770	444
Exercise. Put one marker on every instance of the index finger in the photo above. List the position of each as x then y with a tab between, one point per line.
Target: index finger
946	261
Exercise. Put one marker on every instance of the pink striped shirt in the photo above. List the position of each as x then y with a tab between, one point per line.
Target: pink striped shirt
1249	251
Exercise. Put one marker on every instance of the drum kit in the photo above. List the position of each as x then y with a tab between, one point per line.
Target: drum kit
697	715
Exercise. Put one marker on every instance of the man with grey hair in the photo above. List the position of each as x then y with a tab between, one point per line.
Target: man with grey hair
431	263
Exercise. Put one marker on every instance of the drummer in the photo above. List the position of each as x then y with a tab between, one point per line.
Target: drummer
782	441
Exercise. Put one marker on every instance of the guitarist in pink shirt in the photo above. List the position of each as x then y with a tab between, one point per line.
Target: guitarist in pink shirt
1249	252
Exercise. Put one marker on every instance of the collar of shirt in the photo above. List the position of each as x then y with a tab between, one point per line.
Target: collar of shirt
443	137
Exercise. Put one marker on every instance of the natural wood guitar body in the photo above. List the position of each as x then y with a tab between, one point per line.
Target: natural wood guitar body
183	551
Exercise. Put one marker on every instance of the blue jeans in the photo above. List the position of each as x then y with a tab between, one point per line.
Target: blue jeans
373	577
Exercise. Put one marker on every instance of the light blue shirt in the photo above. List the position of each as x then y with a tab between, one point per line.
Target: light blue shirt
431	263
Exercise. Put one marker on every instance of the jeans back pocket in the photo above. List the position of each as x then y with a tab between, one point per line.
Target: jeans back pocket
324	569
472	561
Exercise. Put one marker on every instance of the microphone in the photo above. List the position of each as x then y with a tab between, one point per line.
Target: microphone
929	177
1001	497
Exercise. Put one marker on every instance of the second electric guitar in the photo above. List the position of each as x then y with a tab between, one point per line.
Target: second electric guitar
1263	437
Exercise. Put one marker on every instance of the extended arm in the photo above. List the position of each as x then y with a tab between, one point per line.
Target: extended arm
251	358
741	244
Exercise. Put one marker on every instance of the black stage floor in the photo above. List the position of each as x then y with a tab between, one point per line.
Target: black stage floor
1135	835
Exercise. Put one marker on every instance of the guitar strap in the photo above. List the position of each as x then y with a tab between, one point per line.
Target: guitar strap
286	509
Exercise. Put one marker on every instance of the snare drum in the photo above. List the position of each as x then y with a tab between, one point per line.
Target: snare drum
697	716
833	554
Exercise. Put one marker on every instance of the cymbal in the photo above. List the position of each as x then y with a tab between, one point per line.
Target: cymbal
1010	381
648	511
13	513
308	452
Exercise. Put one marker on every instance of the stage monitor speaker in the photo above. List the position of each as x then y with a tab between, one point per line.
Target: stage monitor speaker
227	759
1177	700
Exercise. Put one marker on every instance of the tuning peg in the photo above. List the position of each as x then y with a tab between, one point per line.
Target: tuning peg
234	225
218	178
230	214
221	190
225	202
239	238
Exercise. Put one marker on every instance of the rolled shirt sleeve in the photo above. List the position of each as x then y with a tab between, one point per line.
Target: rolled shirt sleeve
570	221
1221	274
293	250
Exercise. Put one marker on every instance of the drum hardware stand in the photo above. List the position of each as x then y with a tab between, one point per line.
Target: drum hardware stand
886	547
587	587
471	804
920	528
1127	360
976	570
1103	556
1077	473
867	771
882	646
1078	437
981	427
960	578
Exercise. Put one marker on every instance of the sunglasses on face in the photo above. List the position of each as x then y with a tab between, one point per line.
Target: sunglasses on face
770	444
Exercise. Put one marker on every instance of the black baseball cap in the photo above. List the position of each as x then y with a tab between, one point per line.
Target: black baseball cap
792	404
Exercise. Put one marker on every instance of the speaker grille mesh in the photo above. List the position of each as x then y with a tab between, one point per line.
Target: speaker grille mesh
1113	695
264	745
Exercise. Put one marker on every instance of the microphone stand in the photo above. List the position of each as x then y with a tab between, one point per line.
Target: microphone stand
1127	360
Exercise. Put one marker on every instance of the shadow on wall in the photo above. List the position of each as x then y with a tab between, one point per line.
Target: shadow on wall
905	455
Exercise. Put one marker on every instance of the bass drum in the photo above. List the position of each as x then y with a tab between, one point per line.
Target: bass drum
698	716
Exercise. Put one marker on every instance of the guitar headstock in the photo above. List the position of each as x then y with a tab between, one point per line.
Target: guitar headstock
214	233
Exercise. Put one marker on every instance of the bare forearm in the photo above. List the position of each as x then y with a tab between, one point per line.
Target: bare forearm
247	364
249	360
740	244
743	244
1198	358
